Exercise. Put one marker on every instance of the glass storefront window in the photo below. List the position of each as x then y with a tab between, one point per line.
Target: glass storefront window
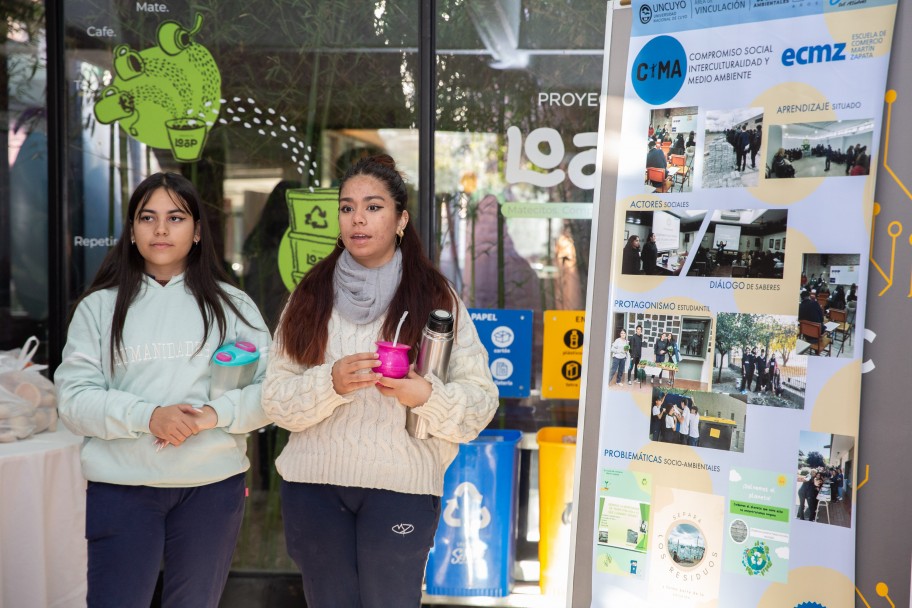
24	177
517	119
517	109
264	105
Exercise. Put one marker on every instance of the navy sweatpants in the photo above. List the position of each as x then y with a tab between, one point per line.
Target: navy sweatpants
131	529
358	547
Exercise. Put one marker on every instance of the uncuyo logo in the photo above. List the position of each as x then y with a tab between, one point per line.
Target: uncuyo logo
645	14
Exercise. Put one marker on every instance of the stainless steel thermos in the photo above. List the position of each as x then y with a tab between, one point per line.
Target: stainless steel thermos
433	357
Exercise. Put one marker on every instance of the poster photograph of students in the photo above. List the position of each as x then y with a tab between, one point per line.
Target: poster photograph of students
731	148
823	486
757	356
742	243
819	149
698	419
670	148
659	349
657	242
827	304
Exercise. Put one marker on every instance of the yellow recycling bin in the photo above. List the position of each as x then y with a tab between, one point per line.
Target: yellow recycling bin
556	460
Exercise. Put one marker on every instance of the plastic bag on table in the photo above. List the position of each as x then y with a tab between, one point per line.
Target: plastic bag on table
21	358
17	417
23	380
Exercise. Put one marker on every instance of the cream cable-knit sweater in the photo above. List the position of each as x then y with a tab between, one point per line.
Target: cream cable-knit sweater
360	439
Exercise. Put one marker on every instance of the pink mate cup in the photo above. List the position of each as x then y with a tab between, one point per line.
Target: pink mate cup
394	360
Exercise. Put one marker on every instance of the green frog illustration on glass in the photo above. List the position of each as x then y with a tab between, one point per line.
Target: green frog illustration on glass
166	96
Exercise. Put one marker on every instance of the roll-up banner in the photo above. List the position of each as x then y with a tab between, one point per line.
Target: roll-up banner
727	464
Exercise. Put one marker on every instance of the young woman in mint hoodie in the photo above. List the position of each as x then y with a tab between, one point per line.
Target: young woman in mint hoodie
135	379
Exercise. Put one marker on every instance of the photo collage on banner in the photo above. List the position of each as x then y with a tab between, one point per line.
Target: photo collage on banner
729	419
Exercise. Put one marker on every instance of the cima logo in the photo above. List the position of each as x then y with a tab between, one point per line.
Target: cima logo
658	70
819	53
645	14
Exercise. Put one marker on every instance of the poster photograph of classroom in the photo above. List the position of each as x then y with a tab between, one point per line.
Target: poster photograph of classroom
757	356
819	149
828	301
670	149
742	243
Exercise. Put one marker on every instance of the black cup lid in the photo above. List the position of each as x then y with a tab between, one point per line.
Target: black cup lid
440	321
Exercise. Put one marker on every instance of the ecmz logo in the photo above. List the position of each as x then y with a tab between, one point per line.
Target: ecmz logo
820	53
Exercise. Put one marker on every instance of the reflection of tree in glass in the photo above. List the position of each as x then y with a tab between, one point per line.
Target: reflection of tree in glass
261	251
489	92
490	282
23	174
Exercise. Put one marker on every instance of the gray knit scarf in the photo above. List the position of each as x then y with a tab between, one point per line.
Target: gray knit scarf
362	294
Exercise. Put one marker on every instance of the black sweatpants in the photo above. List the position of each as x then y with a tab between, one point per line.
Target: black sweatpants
359	547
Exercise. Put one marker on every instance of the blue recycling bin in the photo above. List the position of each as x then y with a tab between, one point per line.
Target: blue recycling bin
476	538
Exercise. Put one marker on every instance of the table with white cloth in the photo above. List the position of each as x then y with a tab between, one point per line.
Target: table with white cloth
42	522
654	371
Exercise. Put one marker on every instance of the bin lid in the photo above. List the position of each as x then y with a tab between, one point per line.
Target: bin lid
556	435
498	435
713	420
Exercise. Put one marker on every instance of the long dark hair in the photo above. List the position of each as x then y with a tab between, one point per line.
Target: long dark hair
123	267
422	288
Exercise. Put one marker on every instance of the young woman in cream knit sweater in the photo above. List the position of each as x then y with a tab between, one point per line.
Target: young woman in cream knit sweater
360	496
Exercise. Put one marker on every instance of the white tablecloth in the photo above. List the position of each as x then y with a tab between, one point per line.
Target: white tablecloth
42	522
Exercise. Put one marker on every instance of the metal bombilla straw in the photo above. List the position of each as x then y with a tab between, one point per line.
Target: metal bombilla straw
398	327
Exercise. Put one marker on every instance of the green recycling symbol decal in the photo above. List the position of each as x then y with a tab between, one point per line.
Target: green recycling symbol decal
756	559
166	96
312	231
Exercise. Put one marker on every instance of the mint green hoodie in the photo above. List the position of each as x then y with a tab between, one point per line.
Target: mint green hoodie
159	366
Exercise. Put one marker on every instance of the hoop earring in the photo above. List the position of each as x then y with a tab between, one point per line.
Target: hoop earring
339	242
399	236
